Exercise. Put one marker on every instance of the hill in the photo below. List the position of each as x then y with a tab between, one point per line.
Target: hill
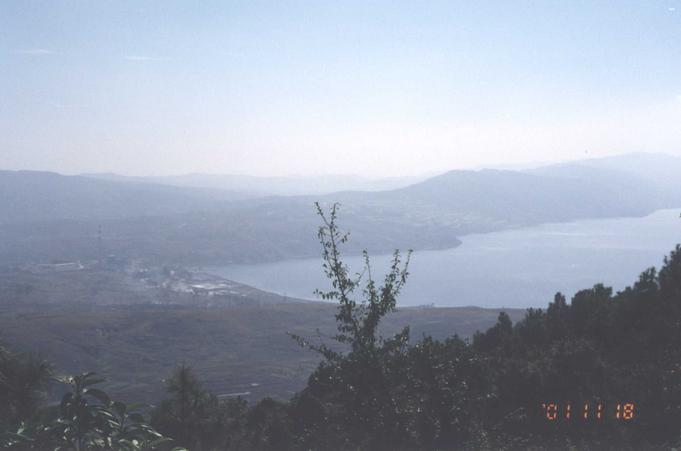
271	186
477	201
656	167
52	217
135	333
659	173
31	196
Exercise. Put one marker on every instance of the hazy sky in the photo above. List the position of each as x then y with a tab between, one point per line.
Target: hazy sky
367	87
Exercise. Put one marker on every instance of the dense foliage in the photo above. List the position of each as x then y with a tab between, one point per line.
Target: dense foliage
390	393
85	419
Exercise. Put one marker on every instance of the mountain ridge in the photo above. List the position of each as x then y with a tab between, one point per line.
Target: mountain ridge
211	226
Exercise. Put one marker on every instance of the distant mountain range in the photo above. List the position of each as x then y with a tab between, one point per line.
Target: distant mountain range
271	186
659	172
29	196
659	168
47	216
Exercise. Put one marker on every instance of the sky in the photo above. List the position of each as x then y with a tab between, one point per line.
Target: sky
318	87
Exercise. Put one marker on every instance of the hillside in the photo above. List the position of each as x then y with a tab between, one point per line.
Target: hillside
135	332
657	167
475	201
658	172
31	196
234	350
52	217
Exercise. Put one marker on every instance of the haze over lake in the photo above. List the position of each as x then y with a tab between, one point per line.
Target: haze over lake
515	268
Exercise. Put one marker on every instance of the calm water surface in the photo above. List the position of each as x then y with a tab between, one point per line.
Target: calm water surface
515	268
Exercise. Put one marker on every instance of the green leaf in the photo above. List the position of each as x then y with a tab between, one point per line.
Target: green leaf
135	406
136	417
119	408
93	381
161	441
98	394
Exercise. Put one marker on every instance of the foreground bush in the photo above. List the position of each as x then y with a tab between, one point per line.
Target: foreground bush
86	419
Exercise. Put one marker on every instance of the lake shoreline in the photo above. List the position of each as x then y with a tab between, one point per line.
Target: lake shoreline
521	267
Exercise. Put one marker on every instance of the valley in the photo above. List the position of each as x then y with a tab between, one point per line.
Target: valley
134	335
217	278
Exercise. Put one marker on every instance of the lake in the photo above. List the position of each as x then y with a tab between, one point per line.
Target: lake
514	268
